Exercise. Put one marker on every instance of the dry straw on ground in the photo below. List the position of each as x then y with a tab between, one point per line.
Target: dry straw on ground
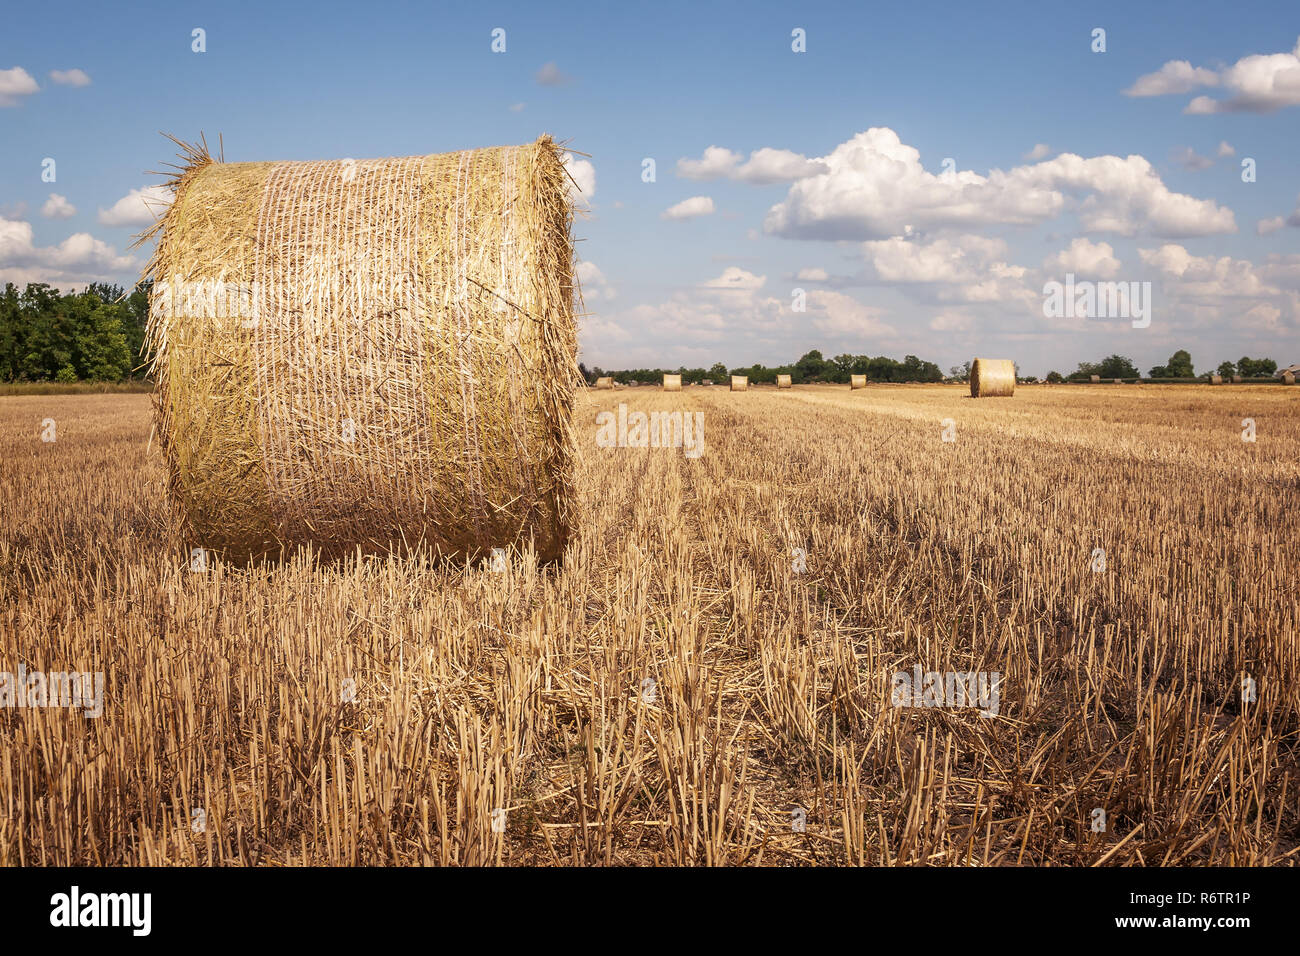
368	353
783	381
990	378
605	382
857	381
739	383
672	383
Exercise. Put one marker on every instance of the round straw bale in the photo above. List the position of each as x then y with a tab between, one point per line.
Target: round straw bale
1288	378
707	383
857	381
739	383
397	363
1216	379
783	381
605	381
1236	380
1094	379
672	383
992	378
1119	381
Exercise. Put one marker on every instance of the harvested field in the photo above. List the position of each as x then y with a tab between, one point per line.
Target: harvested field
715	656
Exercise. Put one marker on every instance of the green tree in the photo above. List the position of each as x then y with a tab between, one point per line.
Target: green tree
1227	369
1256	368
1180	365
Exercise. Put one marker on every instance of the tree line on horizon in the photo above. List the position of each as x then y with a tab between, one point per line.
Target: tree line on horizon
98	335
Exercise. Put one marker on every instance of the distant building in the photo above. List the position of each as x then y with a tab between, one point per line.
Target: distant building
1293	369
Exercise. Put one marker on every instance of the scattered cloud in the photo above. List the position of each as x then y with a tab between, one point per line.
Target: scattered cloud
70	77
1266	227
734	277
689	208
815	274
15	83
595	287
1084	258
1189	158
764	167
1225	149
79	259
1040	151
1176	76
875	187
550	75
583	173
139	207
1258	83
58	207
517	107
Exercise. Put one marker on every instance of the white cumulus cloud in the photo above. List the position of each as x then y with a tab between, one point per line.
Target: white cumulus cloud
14	84
689	208
70	77
58	207
139	207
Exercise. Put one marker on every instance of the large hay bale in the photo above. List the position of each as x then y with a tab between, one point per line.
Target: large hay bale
1216	379
1288	378
1119	381
783	381
992	378
605	381
1094	379
857	381
739	383
672	383
1236	380
707	383
399	363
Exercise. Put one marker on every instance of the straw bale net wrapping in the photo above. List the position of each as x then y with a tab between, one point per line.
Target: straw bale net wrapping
992	377
368	354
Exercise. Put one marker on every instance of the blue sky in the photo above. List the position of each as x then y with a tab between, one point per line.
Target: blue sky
892	257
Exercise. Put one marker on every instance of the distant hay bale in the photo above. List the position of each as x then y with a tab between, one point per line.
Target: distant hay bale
1119	381
1288	378
739	383
672	383
391	362
1236	380
783	381
857	381
707	383
605	381
1094	379
1216	379
992	378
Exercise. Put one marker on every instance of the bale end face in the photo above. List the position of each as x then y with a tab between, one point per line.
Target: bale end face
672	383
857	381
605	382
739	383
992	378
783	381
